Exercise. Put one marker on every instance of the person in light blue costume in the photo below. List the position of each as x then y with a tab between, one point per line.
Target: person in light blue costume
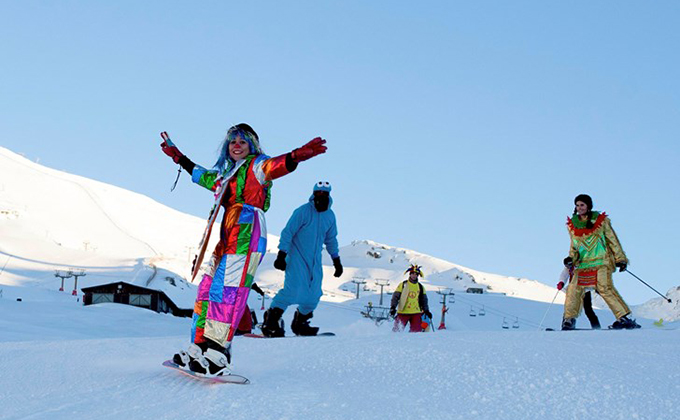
311	226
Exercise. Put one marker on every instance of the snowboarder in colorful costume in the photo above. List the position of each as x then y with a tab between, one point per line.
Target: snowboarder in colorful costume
311	226
409	302
247	173
595	253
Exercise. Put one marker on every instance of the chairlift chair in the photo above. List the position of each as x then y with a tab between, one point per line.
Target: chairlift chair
472	312
481	312
505	325
516	323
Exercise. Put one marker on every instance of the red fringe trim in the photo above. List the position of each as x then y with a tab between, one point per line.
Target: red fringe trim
585	231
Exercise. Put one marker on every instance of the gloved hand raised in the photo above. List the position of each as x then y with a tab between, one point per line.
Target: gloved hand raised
309	150
280	263
169	148
338	267
393	312
560	285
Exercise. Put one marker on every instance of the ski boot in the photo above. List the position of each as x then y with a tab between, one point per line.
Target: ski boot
624	323
300	324
183	358
215	360
568	324
272	326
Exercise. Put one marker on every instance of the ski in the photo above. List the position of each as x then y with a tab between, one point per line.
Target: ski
220	379
593	329
323	334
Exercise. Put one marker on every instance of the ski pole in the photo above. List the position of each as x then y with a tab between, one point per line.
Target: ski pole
657	292
547	310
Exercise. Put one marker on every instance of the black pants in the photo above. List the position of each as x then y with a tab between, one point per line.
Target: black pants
588	309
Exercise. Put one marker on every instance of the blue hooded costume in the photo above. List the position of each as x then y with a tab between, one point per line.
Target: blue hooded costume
302	239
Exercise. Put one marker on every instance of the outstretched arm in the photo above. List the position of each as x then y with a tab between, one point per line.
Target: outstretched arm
267	169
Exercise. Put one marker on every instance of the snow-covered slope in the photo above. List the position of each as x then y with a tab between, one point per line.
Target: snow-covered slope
62	360
53	220
371	260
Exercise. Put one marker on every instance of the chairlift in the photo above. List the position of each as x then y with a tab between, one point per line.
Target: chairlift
452	299
505	324
481	312
516	323
472	312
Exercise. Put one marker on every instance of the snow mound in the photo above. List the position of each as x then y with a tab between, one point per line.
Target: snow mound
659	308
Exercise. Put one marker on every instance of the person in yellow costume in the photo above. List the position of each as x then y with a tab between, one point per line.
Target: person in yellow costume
595	253
409	302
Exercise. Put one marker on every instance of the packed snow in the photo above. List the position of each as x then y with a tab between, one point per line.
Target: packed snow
61	359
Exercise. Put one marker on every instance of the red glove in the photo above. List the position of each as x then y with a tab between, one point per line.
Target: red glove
309	150
560	285
170	149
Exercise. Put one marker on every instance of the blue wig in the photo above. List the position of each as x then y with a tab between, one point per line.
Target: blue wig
246	132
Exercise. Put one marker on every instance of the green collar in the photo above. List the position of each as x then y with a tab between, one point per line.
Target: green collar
579	224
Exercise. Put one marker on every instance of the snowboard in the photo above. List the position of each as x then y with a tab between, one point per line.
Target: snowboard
322	334
223	379
591	329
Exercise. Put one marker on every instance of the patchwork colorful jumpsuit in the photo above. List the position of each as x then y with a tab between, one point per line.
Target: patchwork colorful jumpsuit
223	291
595	251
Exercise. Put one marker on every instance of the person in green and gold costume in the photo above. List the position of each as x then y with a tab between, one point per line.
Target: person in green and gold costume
595	253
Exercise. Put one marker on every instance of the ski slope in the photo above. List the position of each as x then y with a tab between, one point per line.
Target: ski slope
64	361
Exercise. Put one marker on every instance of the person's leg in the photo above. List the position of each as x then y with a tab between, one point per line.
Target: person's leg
245	326
572	304
416	323
400	322
271	325
588	309
606	289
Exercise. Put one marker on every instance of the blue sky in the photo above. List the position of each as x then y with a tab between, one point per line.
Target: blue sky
459	129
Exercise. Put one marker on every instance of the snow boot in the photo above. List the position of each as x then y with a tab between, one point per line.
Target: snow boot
215	360
300	324
183	358
568	324
624	323
272	326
